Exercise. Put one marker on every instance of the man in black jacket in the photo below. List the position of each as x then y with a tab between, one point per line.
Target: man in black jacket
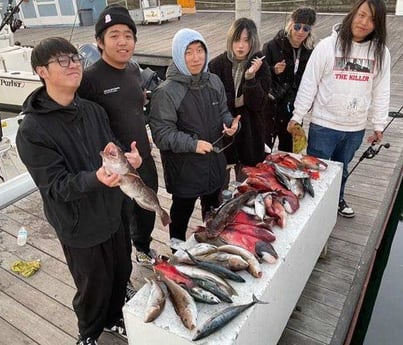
114	82
59	141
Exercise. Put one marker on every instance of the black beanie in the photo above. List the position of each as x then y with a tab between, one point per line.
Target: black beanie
304	15
111	15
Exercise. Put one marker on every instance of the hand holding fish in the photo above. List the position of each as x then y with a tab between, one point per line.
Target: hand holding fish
110	180
230	131
107	177
133	157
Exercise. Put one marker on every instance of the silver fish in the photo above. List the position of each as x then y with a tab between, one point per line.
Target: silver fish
221	318
291	173
184	304
231	261
260	208
196	250
155	302
254	265
199	273
202	295
297	187
216	269
132	185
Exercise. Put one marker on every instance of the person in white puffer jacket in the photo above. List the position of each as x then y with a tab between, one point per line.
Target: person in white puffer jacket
345	83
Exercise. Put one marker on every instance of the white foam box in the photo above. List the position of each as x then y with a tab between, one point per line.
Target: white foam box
299	245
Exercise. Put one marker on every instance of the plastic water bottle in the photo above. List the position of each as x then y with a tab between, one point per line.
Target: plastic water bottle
226	195
22	236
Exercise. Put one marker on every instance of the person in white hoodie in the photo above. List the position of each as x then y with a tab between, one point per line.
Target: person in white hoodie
345	83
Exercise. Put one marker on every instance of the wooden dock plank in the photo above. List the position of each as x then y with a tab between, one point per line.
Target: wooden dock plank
30	324
329	298
11	335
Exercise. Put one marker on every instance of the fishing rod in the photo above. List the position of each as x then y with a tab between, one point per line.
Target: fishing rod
374	148
9	19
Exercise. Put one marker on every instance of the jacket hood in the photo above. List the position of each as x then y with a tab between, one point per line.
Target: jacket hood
335	30
39	102
173	73
180	42
280	35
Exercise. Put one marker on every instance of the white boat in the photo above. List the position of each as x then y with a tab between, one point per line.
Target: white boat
17	79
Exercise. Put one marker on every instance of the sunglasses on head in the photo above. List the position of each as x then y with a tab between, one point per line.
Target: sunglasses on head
305	27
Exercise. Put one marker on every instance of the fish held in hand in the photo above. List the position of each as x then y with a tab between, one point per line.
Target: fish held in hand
131	183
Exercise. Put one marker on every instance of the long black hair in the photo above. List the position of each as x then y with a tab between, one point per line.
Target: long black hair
377	36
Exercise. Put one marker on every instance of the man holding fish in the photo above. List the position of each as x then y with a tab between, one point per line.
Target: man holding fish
115	83
59	141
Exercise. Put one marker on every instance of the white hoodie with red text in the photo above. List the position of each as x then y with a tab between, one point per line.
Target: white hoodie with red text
344	93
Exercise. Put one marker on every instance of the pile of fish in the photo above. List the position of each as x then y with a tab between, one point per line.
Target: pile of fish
188	279
237	236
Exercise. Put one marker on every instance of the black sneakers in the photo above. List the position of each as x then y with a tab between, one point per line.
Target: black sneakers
118	328
87	341
146	259
130	291
345	210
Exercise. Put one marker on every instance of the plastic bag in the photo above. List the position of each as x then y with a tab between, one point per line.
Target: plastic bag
26	268
299	141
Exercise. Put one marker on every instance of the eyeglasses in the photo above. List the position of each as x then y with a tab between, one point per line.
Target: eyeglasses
216	149
305	27
64	60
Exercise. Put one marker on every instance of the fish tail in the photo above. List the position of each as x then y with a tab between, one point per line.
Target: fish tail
258	301
165	218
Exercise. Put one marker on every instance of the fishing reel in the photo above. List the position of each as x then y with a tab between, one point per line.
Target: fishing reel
9	19
373	150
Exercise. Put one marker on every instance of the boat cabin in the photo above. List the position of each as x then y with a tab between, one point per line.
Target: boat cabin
57	12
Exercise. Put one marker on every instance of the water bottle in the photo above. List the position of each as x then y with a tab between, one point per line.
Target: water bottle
226	195
22	236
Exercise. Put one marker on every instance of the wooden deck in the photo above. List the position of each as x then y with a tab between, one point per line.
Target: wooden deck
37	310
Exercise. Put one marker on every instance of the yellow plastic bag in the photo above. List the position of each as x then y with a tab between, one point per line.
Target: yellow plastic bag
26	268
299	141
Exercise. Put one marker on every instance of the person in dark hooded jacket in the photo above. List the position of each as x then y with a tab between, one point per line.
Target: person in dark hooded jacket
189	118
59	141
247	80
287	55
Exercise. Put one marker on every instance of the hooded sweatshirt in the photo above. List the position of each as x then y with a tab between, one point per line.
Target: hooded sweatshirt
60	147
186	108
344	93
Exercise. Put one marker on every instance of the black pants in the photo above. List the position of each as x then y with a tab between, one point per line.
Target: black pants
141	222
276	127
182	209
100	274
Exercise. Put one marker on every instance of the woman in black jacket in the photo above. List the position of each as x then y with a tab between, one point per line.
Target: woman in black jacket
287	55
247	82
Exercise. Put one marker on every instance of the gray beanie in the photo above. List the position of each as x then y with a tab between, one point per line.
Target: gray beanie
304	15
112	15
